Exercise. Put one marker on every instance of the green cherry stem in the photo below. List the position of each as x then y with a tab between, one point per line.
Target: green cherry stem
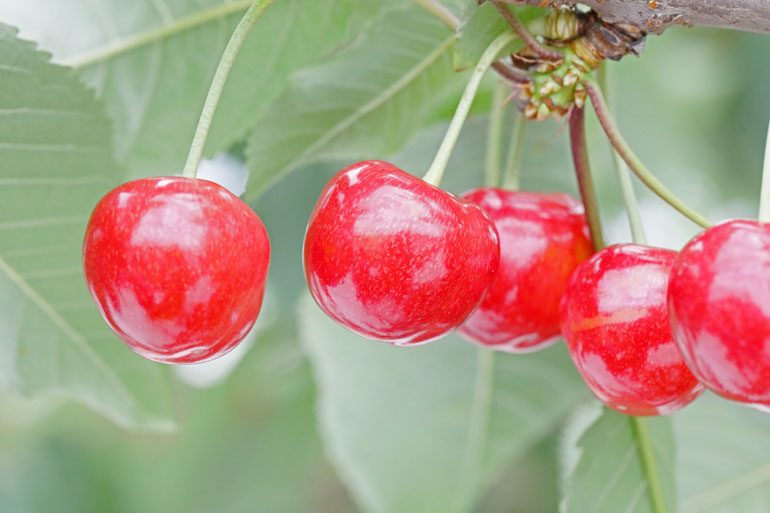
624	150
647	455
624	178
495	135
577	133
515	153
436	170
764	197
251	16
440	12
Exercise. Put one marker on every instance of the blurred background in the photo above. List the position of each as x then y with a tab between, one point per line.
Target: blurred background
694	107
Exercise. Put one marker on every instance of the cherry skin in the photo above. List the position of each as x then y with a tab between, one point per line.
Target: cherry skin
394	258
615	322
177	267
543	238
719	305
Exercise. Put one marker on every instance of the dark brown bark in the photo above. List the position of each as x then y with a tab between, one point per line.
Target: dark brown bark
655	16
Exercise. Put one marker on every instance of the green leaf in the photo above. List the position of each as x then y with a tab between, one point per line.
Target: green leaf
480	25
366	103
428	428
604	472
723	453
56	164
152	61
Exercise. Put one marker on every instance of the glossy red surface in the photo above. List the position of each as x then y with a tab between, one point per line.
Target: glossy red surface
177	267
719	303
393	258
615	322
543	238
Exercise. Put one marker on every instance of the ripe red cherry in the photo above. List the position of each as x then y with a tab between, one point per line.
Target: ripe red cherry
543	238
177	267
615	322
719	302
394	258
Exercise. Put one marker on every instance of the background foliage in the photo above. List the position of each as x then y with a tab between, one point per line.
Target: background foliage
308	417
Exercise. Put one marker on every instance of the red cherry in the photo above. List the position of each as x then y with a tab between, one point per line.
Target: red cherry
615	322
543	238
719	303
394	258
177	267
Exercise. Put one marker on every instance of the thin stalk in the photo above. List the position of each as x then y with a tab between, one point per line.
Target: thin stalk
495	135
644	174
440	12
577	133
764	197
624	178
479	422
515	75
436	170
646	454
218	83
515	154
523	33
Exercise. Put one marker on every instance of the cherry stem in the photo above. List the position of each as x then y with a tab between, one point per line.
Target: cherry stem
764	197
479	420
252	14
515	75
577	133
437	168
624	178
441	12
448	18
515	154
624	150
495	135
524	34
647	455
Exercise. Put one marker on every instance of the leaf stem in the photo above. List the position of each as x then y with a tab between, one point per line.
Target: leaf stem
646	454
764	197
218	83
624	178
524	34
436	170
126	44
515	154
644	174
495	135
479	421
577	134
441	12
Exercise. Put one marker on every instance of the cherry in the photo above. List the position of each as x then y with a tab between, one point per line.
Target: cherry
177	267
394	258
543	238
615	321
719	305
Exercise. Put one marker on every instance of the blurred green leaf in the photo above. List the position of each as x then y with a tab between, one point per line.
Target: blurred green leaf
248	446
480	25
723	451
365	103
427	428
56	164
604	471
152	62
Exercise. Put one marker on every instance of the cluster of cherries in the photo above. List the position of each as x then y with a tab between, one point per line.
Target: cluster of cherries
177	268
394	258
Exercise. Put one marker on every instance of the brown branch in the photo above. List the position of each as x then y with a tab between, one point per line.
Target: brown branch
655	16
